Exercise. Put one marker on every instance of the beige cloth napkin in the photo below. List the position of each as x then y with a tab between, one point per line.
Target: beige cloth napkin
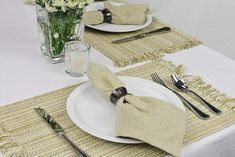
148	119
133	14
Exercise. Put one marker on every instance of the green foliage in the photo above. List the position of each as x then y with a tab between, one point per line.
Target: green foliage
59	29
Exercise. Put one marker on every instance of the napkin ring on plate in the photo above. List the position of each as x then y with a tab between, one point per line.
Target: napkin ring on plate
117	94
107	15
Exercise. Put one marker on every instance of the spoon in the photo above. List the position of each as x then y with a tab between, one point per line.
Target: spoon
182	85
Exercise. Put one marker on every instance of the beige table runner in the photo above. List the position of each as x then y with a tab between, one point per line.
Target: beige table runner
139	50
24	133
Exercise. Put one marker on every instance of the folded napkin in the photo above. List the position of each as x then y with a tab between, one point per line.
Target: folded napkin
134	14
148	119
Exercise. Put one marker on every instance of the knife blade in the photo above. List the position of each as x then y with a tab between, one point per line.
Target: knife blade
143	35
60	131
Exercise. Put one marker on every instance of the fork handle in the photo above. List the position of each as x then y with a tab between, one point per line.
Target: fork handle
77	150
212	108
200	114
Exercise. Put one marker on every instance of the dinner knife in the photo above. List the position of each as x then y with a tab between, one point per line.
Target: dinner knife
143	35
60	131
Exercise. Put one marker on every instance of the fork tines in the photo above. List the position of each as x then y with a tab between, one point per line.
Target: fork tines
157	79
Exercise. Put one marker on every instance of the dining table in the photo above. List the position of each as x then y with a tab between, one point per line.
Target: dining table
26	73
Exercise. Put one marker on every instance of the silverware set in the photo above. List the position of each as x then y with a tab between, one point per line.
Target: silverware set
182	86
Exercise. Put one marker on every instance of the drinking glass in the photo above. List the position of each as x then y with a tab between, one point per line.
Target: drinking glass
76	58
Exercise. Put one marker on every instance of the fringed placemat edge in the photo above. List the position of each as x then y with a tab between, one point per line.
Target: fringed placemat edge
8	146
122	62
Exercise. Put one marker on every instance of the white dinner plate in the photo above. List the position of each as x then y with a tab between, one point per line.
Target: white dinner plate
108	27
96	115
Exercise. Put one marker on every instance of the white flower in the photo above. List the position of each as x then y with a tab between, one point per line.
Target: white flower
56	35
61	5
50	8
72	3
58	3
81	4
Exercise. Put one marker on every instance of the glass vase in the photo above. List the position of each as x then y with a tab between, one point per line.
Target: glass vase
57	28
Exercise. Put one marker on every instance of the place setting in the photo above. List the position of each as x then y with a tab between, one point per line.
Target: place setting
106	120
121	112
151	109
91	112
131	32
113	108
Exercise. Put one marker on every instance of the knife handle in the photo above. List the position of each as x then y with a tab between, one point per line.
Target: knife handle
78	151
161	30
200	114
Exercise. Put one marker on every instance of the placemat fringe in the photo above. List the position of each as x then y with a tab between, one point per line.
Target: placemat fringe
199	84
210	92
8	146
145	49
122	62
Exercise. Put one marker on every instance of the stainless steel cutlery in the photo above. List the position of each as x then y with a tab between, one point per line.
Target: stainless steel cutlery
200	114
182	85
60	131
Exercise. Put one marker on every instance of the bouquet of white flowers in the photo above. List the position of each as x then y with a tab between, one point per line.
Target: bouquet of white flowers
59	21
63	5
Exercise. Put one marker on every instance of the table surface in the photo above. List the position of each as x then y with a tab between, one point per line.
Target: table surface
26	73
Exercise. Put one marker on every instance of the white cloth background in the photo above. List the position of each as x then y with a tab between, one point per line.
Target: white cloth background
211	21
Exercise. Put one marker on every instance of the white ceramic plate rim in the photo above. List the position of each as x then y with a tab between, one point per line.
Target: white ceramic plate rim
72	114
117	28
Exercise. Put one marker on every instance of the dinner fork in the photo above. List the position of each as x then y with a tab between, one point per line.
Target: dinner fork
200	114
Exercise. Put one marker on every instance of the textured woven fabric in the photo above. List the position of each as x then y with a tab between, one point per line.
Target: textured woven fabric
93	17
139	50
23	133
127	14
151	120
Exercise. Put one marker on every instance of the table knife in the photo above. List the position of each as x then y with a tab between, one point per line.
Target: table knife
143	35
60	131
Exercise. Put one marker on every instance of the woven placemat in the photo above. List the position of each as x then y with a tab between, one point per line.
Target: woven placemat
139	50
24	133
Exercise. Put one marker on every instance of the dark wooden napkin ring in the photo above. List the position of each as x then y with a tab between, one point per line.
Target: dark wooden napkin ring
107	15
117	94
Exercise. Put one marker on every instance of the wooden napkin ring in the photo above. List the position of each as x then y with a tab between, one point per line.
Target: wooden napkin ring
107	15
117	94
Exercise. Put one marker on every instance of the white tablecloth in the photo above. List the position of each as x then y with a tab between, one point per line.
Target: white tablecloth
26	73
